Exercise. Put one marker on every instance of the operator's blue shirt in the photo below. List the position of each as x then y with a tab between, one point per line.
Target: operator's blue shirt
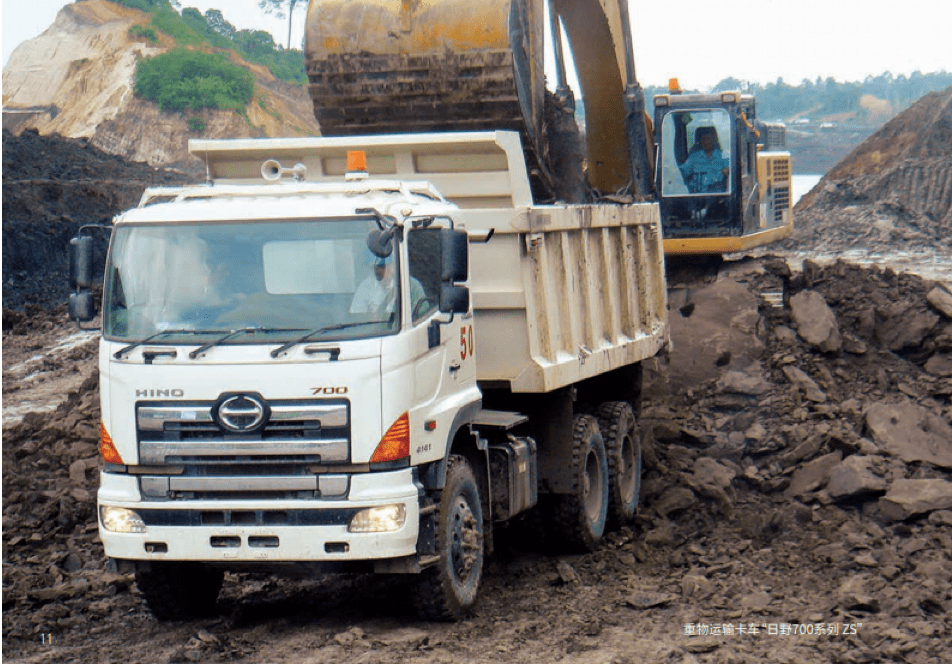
703	174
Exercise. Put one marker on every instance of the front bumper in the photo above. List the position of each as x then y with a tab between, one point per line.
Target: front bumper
257	531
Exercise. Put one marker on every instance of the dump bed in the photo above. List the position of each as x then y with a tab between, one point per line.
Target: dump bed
561	293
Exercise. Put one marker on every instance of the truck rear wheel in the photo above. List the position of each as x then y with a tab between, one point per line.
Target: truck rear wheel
623	446
179	590
581	516
448	590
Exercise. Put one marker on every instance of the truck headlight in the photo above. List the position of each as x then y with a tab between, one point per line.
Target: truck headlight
121	520
384	519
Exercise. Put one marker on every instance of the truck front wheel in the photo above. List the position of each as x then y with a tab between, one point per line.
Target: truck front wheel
448	590
581	515
179	590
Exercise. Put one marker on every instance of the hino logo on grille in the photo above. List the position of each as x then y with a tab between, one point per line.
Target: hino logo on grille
171	392
241	413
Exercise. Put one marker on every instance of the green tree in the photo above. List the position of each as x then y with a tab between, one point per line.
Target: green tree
183	79
729	84
216	21
254	44
277	7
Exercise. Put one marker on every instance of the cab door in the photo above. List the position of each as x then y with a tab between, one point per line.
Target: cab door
442	346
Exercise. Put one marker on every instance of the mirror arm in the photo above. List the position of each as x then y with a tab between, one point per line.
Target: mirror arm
102	227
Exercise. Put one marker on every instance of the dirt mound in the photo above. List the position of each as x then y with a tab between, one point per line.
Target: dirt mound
922	132
52	186
893	192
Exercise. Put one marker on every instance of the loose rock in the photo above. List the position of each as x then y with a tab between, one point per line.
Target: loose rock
910	432
909	498
815	321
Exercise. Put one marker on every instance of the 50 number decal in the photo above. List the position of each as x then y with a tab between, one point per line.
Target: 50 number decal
467	345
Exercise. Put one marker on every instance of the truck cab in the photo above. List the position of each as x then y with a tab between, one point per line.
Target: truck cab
266	352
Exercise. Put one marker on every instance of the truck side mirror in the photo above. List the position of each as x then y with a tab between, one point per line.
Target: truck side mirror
380	242
454	299
81	262
454	257
82	307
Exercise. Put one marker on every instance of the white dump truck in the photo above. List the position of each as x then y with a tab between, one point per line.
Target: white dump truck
308	364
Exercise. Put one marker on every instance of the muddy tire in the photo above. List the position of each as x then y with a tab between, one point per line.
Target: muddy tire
616	420
581	516
448	591
179	590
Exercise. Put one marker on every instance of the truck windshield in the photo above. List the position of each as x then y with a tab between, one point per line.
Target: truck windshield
283	278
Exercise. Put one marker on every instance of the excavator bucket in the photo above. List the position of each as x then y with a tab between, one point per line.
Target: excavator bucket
396	66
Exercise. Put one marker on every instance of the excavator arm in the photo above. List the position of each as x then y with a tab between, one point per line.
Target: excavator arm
395	66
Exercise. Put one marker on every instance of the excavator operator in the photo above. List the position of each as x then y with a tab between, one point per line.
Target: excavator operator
705	170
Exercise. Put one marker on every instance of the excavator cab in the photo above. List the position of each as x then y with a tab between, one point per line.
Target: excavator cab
696	169
722	178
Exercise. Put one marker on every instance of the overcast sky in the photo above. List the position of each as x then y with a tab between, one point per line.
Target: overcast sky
699	41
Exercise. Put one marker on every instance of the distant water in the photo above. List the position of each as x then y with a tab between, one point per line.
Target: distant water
927	264
802	184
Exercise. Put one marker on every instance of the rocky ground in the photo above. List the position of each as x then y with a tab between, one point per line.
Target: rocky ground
796	503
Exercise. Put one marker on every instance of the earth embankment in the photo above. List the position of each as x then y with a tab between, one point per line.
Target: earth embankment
51	187
892	193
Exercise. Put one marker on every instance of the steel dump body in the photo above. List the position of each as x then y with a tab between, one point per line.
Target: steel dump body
560	293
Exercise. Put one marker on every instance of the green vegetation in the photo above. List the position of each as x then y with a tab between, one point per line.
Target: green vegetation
196	124
168	21
144	5
147	33
872	101
192	28
183	79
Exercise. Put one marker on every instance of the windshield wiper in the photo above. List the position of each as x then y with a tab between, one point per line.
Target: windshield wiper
234	333
330	328
122	351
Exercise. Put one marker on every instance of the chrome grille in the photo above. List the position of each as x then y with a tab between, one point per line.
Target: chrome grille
278	461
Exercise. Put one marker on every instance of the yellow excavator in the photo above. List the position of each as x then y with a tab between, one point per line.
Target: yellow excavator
398	66
723	178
